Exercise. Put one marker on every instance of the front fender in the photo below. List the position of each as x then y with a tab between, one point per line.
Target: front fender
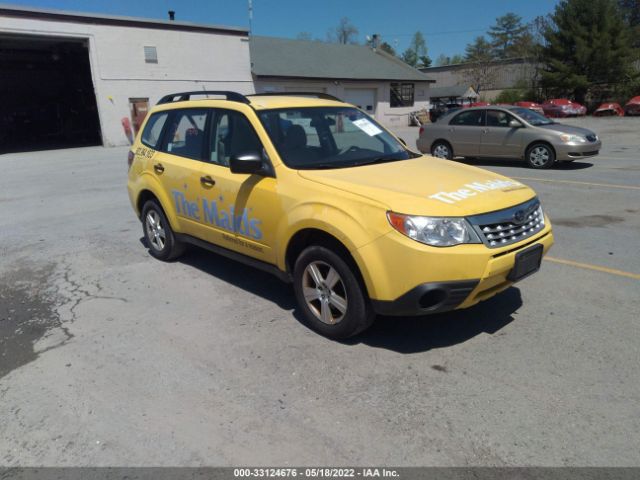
350	229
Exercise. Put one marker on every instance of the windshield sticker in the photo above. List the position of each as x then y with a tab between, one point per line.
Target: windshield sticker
367	127
473	189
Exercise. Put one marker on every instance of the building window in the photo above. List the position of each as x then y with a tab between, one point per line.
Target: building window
150	55
402	94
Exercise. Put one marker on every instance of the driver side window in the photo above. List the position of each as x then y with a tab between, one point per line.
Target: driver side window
231	134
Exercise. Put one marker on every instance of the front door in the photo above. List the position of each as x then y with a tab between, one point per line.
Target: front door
239	211
498	138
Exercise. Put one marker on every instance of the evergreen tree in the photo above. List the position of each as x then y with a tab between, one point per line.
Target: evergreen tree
588	48
509	36
630	10
479	50
416	54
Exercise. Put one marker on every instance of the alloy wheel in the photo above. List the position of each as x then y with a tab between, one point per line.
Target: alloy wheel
324	292
155	230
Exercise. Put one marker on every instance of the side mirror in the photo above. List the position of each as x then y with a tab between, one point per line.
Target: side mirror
515	124
246	162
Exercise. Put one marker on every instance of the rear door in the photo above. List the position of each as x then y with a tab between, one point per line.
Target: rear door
177	165
465	130
498	138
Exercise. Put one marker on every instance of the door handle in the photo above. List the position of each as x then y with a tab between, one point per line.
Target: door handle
485	131
158	167
207	181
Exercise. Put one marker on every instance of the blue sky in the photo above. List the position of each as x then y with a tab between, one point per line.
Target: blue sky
448	25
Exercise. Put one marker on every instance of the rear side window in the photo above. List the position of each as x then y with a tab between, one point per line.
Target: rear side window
471	118
185	133
153	130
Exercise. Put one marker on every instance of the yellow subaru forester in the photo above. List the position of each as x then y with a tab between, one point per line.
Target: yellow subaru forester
318	193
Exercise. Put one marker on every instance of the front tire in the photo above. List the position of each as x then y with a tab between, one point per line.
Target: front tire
158	234
540	156
442	150
331	298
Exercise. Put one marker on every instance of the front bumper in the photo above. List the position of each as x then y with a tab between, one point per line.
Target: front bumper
567	152
407	278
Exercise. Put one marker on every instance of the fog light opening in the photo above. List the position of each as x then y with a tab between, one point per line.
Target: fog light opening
432	298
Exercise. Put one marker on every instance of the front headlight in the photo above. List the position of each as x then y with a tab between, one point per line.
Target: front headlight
568	138
434	231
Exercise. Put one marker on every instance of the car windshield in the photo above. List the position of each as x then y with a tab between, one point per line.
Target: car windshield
532	117
330	137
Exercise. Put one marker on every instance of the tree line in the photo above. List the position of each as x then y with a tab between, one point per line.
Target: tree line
584	49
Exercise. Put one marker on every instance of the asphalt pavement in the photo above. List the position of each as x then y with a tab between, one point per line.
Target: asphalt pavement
109	357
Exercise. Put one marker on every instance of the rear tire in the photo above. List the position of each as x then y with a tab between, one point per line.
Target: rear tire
442	149
331	298
161	240
540	156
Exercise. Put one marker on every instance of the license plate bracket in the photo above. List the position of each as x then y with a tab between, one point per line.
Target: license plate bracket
527	262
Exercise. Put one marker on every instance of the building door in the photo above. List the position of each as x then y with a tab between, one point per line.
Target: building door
139	108
363	98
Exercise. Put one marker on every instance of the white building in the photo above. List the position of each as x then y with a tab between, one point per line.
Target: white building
379	83
69	78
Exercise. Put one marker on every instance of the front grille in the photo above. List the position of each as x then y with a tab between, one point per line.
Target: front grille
592	138
504	227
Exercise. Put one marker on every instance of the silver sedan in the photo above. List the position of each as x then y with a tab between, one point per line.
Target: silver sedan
507	132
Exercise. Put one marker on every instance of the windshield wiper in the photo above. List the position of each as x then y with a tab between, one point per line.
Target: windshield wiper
372	161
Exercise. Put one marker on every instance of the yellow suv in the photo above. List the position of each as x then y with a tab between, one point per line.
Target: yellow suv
317	192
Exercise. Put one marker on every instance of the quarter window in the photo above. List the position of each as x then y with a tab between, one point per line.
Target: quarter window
402	94
185	136
472	118
153	129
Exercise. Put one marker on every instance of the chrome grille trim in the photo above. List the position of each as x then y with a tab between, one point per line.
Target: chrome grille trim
502	228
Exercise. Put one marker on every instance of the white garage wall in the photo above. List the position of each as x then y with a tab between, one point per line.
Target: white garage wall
186	61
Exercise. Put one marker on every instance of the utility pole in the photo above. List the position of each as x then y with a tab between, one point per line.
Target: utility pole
250	16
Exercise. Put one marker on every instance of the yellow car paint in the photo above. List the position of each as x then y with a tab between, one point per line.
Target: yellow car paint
350	204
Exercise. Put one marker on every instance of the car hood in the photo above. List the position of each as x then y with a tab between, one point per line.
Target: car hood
562	128
427	186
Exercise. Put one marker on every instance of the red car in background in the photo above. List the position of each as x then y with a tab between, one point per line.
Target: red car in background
563	107
536	107
609	110
632	107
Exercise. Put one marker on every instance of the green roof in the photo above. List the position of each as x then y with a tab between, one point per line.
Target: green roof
282	57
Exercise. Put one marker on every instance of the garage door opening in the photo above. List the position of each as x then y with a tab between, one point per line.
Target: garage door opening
47	98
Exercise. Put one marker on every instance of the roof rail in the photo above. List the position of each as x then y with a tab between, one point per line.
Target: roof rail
183	96
324	96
